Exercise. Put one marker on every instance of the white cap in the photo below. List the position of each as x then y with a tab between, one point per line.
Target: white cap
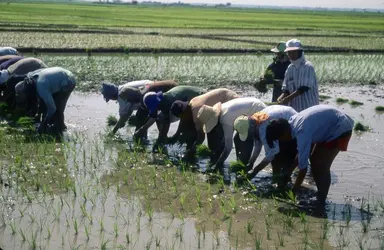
293	44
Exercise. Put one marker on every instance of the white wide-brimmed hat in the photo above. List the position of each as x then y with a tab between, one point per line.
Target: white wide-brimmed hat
280	47
293	44
209	116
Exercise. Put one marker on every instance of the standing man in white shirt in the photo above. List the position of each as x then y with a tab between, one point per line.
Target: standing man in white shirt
300	88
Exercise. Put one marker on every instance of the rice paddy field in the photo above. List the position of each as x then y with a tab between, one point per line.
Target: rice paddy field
87	190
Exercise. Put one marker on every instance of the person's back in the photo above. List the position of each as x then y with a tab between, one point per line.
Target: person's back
181	93
7	57
320	123
240	106
210	98
7	51
6	64
26	65
51	80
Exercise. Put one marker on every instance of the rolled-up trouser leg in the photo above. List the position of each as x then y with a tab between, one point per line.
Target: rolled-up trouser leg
215	140
243	148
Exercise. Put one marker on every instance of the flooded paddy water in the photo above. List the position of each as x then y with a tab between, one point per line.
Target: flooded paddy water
103	193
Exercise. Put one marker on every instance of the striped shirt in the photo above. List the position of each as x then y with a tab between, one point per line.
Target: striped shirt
301	73
321	123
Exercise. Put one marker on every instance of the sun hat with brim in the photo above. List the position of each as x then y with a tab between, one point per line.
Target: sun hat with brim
109	91
280	48
241	125
209	116
152	100
178	107
293	44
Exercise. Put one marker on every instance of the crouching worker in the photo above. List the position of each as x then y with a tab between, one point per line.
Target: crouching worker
161	103
218	123
281	156
49	88
190	130
130	98
328	128
15	73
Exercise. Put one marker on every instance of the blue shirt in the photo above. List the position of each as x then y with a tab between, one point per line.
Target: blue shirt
50	81
321	123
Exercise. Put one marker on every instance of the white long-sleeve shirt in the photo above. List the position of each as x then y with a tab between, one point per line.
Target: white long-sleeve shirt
301	73
233	109
321	123
125	107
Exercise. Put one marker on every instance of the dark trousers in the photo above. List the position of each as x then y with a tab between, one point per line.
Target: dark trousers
60	98
285	158
243	148
215	139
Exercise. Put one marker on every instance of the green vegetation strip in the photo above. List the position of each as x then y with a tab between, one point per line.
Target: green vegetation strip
149	16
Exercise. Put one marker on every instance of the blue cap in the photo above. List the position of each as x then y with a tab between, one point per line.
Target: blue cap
152	100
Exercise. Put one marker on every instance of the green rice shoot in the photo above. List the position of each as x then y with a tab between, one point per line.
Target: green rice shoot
203	151
111	120
341	100
355	103
361	127
236	166
379	108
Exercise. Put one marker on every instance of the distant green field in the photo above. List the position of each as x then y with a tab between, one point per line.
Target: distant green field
187	17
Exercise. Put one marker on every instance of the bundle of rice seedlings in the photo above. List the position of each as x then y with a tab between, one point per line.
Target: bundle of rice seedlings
236	166
25	122
379	108
355	103
360	127
111	120
203	151
341	100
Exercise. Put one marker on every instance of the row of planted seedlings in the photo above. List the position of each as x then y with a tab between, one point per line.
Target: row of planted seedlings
81	192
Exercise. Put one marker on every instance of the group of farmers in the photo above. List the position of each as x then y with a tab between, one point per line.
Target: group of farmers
28	85
294	132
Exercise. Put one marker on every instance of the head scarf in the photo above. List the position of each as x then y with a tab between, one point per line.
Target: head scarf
109	91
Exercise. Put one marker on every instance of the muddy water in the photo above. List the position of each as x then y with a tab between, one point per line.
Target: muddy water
356	174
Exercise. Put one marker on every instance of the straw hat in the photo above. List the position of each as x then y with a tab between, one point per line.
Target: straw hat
241	125
209	116
280	47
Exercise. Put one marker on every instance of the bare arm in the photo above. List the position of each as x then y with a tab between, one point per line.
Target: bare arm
295	94
257	145
147	125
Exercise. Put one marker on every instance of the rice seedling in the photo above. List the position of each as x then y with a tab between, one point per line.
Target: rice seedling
340	100
229	226
258	241
203	151
128	238
116	229
360	127
49	232
365	225
12	225
324	97
268	228
75	226
232	204
104	244
379	108
22	235
355	103
101	224
86	231
280	236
